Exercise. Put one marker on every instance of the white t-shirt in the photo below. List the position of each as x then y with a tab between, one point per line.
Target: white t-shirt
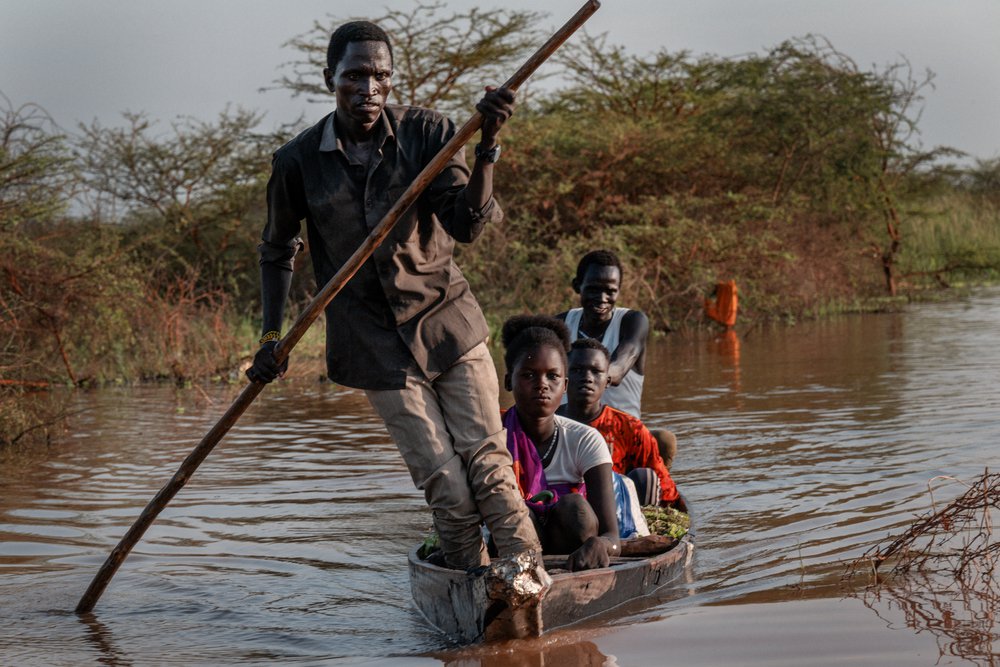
579	449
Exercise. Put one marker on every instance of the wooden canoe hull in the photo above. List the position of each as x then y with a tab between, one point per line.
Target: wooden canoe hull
456	603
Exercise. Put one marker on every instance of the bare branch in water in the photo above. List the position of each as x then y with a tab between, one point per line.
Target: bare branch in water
948	557
956	540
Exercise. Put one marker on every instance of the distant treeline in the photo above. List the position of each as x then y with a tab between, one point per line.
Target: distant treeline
128	252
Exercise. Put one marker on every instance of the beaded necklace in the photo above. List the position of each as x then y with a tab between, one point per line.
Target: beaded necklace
550	448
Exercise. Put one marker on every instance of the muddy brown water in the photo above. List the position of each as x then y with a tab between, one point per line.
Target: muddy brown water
799	448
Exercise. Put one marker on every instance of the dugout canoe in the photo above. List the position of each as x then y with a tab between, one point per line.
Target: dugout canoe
456	603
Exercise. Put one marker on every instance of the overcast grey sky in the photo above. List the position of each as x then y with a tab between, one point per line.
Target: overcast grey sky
82	60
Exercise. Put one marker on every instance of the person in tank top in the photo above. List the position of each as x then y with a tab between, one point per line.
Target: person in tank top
622	331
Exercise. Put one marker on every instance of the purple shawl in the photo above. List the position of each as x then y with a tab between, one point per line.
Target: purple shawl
529	470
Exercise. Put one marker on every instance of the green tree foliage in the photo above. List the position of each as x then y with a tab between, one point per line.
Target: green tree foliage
191	201
101	277
53	289
130	251
806	122
36	175
755	158
983	179
36	184
605	78
440	61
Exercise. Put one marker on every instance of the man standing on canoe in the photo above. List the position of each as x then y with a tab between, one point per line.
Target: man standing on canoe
406	329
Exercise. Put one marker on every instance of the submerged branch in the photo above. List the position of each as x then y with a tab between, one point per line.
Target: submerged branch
956	540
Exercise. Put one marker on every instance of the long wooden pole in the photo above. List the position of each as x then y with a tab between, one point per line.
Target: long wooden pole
313	310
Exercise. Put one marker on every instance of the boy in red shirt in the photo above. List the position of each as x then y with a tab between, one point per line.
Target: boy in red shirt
633	447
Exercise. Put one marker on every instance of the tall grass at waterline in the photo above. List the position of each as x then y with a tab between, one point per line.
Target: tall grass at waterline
952	238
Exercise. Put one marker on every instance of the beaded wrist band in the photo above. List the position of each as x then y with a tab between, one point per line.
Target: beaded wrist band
269	336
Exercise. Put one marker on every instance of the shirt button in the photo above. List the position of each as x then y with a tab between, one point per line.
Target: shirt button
368	203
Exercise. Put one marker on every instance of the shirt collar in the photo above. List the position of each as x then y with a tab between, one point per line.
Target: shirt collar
331	142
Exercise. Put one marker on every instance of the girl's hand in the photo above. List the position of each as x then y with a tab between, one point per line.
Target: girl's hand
593	554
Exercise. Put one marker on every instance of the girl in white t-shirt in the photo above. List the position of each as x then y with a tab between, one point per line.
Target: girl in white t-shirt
563	467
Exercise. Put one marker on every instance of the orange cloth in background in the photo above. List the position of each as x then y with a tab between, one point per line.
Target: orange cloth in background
723	309
633	446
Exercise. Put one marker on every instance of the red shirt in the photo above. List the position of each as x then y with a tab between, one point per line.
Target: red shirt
633	446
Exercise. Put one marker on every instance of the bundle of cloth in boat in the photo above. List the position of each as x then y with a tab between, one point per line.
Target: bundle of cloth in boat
631	522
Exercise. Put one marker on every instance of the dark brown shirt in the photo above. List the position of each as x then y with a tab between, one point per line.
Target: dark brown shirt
409	307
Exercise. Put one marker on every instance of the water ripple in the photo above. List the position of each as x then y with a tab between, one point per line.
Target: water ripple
796	453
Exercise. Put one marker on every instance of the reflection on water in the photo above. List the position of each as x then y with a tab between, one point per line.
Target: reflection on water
100	638
557	650
799	447
965	622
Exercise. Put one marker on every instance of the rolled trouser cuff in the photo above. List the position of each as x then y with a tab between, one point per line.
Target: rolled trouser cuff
503	510
456	517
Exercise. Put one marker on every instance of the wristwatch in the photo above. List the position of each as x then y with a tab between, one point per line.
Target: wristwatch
489	155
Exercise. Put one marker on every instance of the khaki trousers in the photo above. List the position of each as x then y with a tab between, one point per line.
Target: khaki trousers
449	432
